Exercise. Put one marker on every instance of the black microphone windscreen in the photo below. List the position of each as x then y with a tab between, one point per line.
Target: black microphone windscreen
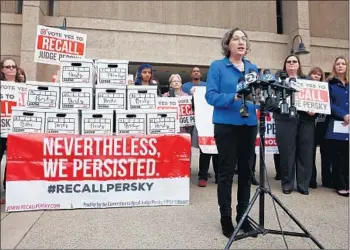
283	75
266	71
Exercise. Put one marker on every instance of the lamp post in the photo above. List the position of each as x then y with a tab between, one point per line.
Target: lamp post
301	49
64	25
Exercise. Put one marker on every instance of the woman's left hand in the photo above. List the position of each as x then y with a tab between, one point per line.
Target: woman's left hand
311	113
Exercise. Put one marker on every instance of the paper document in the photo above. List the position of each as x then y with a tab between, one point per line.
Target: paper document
340	128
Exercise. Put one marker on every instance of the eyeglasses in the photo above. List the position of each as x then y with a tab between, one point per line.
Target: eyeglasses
236	38
10	67
292	61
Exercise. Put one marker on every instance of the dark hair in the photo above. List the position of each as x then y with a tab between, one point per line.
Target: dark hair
138	80
300	71
20	71
2	75
227	38
319	70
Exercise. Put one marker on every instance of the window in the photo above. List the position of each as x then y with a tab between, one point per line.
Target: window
51	7
19	7
279	16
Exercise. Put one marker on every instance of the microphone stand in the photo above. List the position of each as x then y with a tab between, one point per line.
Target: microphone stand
261	190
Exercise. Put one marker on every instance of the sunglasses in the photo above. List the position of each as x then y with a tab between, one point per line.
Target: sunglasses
292	61
10	67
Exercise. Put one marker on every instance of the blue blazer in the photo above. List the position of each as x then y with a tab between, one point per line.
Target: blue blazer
222	80
339	99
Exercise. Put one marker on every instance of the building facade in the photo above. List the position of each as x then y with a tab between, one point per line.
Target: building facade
177	35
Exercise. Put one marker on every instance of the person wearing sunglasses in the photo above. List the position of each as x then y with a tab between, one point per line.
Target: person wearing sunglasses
8	73
295	139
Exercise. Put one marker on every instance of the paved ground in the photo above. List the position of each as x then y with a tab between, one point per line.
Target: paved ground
323	213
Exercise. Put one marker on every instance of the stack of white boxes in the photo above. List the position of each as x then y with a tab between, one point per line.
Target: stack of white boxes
92	97
41	113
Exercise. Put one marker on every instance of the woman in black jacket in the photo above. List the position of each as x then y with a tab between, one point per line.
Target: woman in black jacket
295	139
317	74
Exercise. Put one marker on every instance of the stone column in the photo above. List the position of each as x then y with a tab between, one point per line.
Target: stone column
296	22
33	15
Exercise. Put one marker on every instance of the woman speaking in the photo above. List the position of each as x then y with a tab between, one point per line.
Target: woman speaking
234	134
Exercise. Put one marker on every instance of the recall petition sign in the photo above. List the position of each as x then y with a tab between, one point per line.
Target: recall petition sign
53	44
11	95
86	171
186	113
313	97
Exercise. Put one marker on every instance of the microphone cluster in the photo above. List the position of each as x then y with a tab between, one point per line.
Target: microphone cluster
273	93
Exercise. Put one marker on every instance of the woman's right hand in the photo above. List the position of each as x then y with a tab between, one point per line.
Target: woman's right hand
237	97
346	118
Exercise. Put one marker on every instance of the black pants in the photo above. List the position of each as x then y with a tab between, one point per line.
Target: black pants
204	162
295	140
339	151
277	161
234	143
3	145
326	174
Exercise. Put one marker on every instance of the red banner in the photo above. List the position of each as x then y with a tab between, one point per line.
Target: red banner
51	157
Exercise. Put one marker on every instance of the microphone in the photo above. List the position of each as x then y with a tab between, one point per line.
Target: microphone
284	105
242	90
268	76
171	92
292	108
251	80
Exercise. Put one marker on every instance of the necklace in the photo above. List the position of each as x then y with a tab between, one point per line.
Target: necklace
239	65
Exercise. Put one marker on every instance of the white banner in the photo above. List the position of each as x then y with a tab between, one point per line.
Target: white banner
205	127
53	44
204	124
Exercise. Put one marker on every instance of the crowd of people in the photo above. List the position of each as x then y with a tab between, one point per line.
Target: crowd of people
297	138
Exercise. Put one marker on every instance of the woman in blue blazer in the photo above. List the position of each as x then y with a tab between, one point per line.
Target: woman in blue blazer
234	135
338	138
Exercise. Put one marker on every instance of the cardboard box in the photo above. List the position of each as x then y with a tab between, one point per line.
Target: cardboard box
142	97
162	122
62	121
77	71
113	72
26	120
76	97
42	95
110	97
97	122
130	122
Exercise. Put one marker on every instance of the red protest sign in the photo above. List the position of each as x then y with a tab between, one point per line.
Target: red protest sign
186	113
52	45
71	169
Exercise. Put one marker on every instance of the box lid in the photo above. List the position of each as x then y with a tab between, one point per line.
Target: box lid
46	84
104	61
76	60
142	87
76	85
97	112
25	109
110	86
62	111
127	112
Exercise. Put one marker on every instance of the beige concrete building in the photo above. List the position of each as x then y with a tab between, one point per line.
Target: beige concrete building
176	35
